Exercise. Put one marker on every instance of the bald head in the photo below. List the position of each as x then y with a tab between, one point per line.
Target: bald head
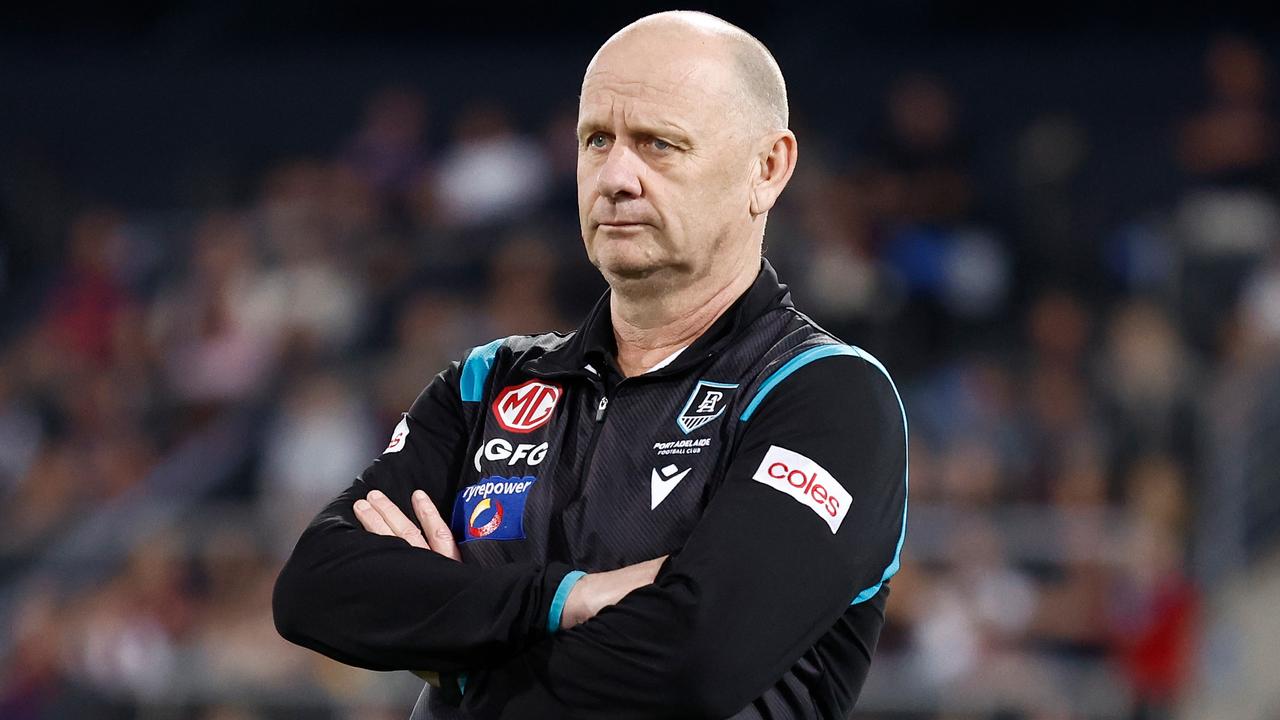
683	148
756	81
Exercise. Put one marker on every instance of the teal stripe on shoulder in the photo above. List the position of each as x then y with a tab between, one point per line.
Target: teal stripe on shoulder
892	570
476	370
817	353
792	365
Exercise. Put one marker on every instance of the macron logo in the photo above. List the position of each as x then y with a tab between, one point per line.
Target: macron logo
806	482
662	482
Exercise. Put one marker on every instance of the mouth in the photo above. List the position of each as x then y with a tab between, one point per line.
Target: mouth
622	228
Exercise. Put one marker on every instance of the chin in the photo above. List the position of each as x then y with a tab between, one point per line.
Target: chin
628	270
625	259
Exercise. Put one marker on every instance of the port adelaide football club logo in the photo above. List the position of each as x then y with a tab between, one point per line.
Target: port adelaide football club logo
706	403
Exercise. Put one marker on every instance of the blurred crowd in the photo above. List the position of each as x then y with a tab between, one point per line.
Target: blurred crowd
1093	397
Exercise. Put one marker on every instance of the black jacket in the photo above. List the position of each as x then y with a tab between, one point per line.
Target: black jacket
769	459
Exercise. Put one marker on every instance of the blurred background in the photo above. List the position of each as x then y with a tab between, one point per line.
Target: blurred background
236	239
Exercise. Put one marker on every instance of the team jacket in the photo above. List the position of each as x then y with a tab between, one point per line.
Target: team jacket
768	460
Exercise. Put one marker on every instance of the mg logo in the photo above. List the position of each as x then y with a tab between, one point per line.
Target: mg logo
526	407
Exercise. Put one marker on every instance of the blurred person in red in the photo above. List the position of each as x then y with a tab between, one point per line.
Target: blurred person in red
1157	608
689	507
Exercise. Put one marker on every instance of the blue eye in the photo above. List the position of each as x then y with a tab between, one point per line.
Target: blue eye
598	141
661	144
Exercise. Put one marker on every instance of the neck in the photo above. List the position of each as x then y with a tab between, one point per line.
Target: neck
649	326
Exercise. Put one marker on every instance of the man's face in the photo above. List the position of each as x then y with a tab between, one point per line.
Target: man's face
664	162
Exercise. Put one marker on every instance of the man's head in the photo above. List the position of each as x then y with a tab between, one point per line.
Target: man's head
683	148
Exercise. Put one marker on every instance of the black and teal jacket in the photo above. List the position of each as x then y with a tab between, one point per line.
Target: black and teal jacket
768	459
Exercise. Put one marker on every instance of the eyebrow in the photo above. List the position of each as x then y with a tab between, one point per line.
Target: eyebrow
663	129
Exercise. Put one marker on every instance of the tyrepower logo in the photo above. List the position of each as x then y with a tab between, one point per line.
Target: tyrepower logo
492	509
526	407
805	481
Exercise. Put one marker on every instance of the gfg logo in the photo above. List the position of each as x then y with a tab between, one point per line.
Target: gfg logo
499	449
526	407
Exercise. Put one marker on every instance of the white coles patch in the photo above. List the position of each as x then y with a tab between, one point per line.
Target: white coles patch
807	482
399	437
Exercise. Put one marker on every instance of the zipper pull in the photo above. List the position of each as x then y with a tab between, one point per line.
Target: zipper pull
604	403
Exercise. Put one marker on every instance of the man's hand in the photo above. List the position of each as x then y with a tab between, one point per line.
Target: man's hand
379	515
596	591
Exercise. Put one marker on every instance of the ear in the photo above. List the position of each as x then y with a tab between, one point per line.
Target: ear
774	166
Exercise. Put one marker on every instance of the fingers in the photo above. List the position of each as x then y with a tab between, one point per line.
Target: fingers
439	536
370	519
379	515
399	525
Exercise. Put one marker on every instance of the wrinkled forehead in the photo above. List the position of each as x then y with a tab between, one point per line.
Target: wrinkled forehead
690	85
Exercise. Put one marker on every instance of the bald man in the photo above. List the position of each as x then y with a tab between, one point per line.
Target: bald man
689	507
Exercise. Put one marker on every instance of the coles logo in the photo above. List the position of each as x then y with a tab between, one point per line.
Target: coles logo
806	482
526	407
492	508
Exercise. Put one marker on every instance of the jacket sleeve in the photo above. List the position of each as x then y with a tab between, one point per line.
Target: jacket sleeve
377	602
809	519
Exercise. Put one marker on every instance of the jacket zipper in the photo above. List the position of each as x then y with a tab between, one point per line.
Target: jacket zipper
602	408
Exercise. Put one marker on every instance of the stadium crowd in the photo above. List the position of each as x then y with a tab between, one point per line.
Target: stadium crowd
1093	401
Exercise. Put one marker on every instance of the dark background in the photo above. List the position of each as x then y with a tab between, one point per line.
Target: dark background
233	248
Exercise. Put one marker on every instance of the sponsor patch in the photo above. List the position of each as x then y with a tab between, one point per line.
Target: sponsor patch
492	509
399	436
497	450
807	482
706	403
526	407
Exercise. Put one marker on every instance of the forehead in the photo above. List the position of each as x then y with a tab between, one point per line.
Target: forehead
655	86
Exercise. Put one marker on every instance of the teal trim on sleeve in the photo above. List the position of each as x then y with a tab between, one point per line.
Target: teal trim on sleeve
462	683
792	365
892	570
476	370
561	596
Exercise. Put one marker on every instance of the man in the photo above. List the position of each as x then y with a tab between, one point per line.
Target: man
691	506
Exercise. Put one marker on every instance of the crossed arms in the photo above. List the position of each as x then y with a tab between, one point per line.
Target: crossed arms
761	580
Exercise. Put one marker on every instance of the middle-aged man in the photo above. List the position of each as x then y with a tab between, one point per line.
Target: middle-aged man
689	507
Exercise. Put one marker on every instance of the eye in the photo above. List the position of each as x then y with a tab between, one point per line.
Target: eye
598	141
661	145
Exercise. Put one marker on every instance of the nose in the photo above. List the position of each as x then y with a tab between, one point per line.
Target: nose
619	176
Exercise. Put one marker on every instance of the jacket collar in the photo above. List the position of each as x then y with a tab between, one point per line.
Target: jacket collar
593	341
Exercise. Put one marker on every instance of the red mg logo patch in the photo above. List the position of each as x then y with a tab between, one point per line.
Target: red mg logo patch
526	407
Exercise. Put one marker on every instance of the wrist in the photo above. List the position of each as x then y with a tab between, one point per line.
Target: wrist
567	606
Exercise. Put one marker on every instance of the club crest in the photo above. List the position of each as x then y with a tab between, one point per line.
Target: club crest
706	403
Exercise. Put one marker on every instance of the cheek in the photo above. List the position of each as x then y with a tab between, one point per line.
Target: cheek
587	196
586	183
727	198
708	205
